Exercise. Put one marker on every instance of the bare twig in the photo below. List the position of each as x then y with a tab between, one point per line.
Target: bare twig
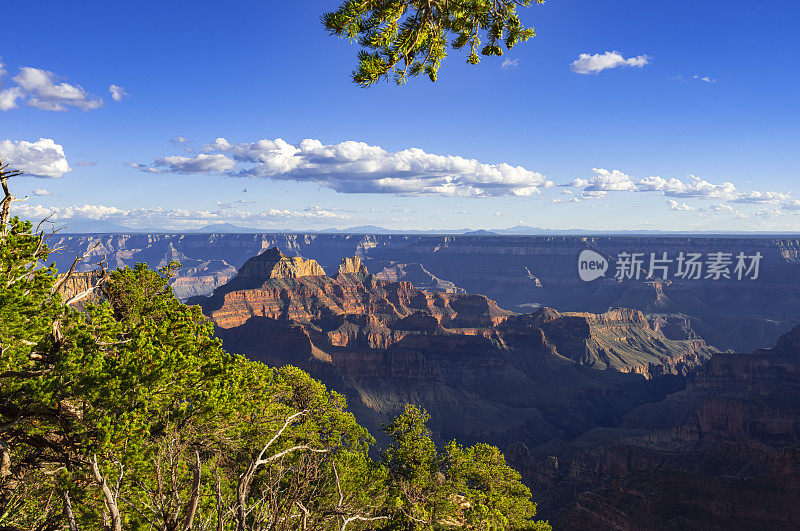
5	204
359	518
338	487
111	500
60	284
195	497
82	295
218	496
305	514
70	514
243	490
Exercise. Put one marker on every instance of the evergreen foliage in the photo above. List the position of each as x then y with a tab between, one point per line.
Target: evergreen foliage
128	414
401	38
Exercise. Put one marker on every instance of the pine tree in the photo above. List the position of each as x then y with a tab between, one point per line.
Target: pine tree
402	38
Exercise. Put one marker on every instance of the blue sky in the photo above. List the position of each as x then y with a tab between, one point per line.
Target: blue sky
645	143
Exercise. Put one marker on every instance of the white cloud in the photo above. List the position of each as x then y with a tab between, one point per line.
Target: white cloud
9	97
696	77
720	208
41	191
42	91
223	205
770	213
94	212
727	210
558	201
605	181
679	207
693	187
595	63
317	208
510	63
356	167
142	167
592	194
671	186
171	217
43	158
762	197
794	204
117	92
202	163
179	140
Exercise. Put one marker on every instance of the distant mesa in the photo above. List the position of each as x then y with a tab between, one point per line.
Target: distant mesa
480	232
91	226
223	228
108	227
363	229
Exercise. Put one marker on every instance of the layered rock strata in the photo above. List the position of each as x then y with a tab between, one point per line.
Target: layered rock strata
724	453
519	272
483	372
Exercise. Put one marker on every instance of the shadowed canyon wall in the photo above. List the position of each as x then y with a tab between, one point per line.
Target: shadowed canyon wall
619	418
519	272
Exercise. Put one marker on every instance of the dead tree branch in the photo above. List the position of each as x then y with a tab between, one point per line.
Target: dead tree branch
194	500
246	480
111	500
5	204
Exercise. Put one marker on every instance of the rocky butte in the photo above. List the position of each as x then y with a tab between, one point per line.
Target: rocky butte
484	373
519	272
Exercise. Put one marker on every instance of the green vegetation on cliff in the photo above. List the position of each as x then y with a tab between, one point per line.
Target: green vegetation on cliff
129	414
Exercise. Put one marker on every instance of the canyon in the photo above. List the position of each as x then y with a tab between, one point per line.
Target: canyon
612	423
519	272
480	370
625	404
723	453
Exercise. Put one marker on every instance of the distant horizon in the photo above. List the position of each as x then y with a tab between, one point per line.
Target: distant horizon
374	230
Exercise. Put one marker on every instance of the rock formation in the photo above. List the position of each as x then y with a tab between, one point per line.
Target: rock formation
274	264
483	372
417	275
724	453
621	418
519	272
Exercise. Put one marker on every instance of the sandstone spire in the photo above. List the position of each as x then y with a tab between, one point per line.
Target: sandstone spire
352	266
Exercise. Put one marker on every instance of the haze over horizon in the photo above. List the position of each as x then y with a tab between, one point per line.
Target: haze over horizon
615	117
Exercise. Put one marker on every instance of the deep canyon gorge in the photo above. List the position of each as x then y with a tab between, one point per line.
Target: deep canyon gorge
627	404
